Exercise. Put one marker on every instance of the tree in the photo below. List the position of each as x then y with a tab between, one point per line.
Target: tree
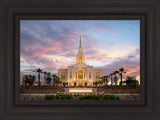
54	77
29	80
115	76
65	84
105	80
121	71
100	82
48	79
57	80
131	82
39	71
45	73
111	78
95	83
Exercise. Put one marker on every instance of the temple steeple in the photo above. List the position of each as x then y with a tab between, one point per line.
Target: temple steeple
80	56
80	45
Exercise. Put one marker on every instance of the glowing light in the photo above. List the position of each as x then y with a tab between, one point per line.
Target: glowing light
80	90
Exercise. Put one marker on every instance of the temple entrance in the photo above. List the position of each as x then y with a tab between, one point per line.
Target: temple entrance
85	84
80	74
75	84
80	78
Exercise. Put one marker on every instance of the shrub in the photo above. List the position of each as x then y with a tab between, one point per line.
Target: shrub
57	96
68	96
81	97
106	97
92	96
112	97
86	96
96	97
109	97
49	97
100	96
117	98
76	95
62	97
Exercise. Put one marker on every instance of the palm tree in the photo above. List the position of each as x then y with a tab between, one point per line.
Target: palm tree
96	83
106	79
93	83
39	71
111	78
29	80
49	77
57	80
100	82
103	79
45	73
54	77
121	70
115	76
48	80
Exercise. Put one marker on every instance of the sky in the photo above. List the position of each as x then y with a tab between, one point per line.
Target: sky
53	44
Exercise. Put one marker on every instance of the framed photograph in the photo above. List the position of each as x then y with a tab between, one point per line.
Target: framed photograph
83	60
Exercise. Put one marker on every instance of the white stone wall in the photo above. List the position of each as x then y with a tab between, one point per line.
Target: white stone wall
87	69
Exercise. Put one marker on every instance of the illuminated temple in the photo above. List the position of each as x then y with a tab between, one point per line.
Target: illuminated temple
80	74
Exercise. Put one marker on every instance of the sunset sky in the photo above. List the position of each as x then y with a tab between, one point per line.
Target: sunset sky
53	44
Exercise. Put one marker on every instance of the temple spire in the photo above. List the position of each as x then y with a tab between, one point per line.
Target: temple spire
80	46
80	56
80	38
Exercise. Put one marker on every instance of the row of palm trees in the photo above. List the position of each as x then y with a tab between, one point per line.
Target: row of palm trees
47	77
114	77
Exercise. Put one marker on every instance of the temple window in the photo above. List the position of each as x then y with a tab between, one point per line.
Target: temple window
80	74
70	74
63	76
97	75
89	75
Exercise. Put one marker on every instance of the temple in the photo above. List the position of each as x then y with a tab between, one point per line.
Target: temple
80	74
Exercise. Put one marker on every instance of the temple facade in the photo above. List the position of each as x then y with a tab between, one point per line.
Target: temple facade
80	74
